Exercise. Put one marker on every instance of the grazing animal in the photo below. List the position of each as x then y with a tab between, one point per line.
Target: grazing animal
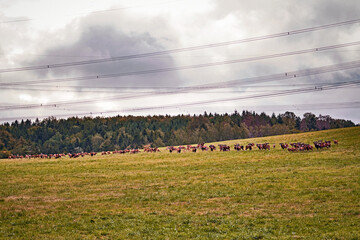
284	145
264	146
149	149
202	147
300	147
74	155
248	147
238	147
224	147
133	151
320	144
171	149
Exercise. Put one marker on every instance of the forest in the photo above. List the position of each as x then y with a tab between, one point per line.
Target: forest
97	134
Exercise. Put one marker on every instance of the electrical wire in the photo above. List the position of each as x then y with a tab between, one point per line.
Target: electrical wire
271	94
170	69
316	105
115	88
111	59
165	56
233	83
109	91
231	90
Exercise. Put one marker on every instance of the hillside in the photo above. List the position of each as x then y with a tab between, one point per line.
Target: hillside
75	135
228	195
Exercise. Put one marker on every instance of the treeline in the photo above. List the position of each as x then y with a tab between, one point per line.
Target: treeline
75	134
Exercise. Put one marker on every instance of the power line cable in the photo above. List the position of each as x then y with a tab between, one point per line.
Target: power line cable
253	80
112	91
103	60
318	105
78	88
170	69
165	56
231	90
275	94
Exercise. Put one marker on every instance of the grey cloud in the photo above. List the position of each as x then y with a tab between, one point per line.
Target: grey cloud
260	17
101	41
336	10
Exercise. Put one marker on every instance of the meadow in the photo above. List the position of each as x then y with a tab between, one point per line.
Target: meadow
204	195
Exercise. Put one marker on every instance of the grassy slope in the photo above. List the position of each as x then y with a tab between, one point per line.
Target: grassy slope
231	195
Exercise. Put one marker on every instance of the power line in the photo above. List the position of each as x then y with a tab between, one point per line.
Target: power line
284	106
162	70
109	91
278	93
258	96
148	92
159	56
253	80
78	88
275	94
150	89
285	75
202	86
103	60
322	105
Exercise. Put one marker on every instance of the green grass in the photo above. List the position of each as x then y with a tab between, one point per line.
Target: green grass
218	195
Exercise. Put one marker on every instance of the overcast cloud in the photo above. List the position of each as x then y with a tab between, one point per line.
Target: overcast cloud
64	31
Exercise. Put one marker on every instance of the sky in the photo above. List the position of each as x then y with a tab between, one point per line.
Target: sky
230	55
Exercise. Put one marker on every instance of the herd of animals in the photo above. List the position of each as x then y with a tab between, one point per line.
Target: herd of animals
292	147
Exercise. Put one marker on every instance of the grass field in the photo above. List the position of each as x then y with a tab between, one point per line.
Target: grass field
218	195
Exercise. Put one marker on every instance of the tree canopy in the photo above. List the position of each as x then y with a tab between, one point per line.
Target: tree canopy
75	134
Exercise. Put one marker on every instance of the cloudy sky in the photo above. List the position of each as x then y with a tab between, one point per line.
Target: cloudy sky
271	73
